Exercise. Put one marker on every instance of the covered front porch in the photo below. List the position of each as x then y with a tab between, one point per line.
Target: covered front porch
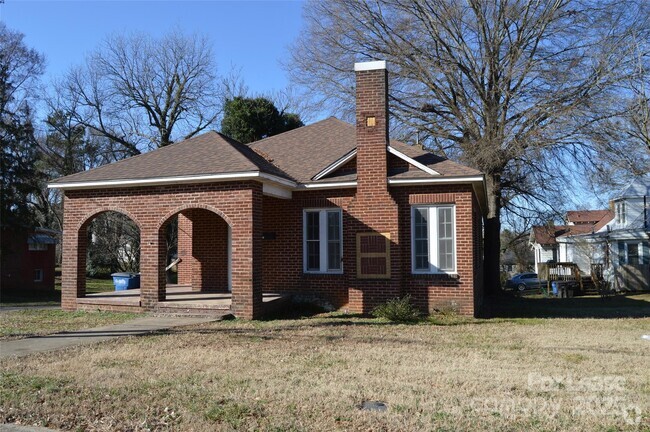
179	299
219	246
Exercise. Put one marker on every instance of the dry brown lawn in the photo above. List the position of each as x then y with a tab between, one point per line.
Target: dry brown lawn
312	374
17	324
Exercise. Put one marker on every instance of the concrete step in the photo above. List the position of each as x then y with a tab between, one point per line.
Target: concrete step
191	312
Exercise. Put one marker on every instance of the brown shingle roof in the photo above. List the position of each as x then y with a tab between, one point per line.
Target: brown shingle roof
299	155
586	216
609	215
304	152
209	153
547	235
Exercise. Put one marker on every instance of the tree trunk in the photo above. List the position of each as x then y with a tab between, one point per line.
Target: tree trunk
492	248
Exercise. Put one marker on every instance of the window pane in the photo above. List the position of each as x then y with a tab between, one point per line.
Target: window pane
333	240
313	255
621	253
633	253
333	225
445	238
333	255
313	225
421	238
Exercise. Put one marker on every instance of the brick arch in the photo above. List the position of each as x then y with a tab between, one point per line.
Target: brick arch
177	210
96	212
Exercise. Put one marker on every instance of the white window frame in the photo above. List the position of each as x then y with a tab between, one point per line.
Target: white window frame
37	247
433	239
40	275
322	239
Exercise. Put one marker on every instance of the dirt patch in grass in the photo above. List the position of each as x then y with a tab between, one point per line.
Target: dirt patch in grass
313	374
30	322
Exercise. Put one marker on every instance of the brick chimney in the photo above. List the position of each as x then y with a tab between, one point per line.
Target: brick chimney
372	128
375	267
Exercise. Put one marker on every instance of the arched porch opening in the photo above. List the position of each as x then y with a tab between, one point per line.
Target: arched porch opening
108	241
195	252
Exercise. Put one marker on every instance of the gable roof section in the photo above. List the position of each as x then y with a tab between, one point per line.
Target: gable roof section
304	152
313	154
586	216
607	218
638	188
208	154
547	235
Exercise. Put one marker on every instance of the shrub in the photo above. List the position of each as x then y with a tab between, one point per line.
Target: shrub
398	310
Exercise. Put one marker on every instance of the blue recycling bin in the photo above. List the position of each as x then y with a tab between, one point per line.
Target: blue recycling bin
124	281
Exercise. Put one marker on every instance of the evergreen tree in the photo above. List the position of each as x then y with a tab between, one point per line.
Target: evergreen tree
251	119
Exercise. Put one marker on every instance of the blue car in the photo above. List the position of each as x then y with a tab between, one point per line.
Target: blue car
525	281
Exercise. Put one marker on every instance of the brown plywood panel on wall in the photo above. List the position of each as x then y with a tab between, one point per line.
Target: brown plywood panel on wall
373	255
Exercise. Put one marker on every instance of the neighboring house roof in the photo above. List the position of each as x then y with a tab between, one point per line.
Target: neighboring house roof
298	156
209	153
547	235
586	216
607	218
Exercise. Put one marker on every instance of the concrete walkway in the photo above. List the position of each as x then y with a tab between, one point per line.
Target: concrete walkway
138	326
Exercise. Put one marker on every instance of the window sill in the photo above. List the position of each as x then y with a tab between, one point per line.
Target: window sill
314	273
430	275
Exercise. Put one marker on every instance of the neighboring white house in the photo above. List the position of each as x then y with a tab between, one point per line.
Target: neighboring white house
620	240
551	243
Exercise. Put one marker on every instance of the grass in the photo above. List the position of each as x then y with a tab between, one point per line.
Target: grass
35	322
619	306
16	298
515	374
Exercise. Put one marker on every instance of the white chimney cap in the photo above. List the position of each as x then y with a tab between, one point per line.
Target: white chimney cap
371	65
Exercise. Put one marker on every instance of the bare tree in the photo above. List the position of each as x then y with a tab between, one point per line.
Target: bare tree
142	92
509	87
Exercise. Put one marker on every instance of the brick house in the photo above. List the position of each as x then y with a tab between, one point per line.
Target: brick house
27	262
328	210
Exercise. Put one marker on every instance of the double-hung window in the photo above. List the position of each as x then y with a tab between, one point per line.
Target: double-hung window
433	239
322	241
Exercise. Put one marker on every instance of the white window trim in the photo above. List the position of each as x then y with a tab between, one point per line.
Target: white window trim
433	240
322	239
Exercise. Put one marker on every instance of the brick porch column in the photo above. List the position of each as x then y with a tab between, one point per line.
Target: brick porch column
73	278
153	258
247	255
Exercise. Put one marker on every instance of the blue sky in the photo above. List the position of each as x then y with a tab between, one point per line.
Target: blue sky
251	35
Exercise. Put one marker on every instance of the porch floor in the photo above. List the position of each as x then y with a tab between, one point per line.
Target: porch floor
179	297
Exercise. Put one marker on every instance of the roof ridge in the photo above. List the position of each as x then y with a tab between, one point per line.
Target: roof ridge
238	146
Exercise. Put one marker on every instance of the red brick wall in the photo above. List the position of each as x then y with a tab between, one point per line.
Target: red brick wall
433	292
184	247
239	203
210	251
283	256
